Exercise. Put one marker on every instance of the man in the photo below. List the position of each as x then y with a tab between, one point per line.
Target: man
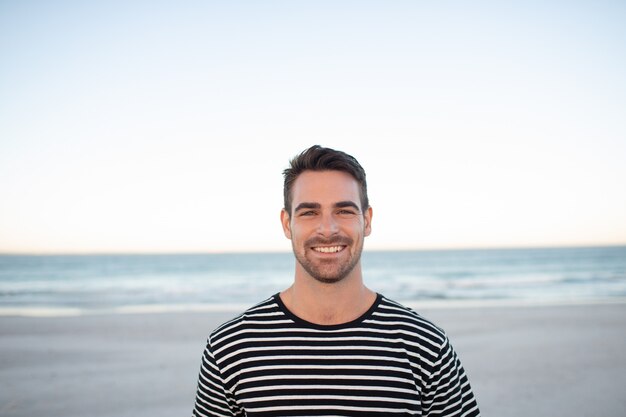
328	345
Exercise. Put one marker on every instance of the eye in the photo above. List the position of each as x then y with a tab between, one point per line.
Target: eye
307	213
346	212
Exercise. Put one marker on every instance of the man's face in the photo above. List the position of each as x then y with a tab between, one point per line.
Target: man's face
327	226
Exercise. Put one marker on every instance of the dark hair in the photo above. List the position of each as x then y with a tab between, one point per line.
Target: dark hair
317	158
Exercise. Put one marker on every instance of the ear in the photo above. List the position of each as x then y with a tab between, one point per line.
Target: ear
285	220
368	221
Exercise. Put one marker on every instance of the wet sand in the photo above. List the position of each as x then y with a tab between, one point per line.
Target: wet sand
539	361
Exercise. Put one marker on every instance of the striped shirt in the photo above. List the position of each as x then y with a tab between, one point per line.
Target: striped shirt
389	362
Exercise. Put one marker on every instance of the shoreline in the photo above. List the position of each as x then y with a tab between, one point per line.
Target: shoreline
453	304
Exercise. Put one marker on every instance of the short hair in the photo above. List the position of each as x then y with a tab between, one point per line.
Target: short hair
318	158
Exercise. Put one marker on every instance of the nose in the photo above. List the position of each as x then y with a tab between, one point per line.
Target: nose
327	225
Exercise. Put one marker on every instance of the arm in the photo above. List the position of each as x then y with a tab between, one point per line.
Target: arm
212	398
448	392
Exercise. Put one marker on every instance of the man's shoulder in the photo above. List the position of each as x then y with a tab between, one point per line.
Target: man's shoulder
401	316
255	316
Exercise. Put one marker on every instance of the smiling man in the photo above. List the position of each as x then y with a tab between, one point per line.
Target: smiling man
328	345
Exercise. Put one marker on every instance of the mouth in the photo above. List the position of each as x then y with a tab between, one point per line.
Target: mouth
328	249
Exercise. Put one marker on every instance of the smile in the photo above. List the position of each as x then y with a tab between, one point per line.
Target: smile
328	249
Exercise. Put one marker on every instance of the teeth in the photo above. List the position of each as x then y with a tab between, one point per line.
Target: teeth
328	249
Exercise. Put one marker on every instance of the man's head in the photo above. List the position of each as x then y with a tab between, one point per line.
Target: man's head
317	158
326	214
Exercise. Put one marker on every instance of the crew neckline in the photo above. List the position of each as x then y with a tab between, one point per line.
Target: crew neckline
306	323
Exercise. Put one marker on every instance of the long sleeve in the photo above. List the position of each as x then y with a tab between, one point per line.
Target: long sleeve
213	398
448	392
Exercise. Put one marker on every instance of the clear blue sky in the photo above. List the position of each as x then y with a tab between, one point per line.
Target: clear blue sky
164	126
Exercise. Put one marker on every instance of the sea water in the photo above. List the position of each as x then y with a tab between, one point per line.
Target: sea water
80	284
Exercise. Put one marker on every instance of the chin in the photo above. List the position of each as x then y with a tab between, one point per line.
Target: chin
329	280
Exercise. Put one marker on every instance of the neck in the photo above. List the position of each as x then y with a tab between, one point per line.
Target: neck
328	304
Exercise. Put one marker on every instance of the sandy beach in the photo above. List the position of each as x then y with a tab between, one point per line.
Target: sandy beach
539	361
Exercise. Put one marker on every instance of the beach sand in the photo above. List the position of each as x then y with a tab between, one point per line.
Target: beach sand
539	361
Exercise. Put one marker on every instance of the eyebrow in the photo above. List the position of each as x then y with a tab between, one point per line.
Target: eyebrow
305	205
340	204
343	204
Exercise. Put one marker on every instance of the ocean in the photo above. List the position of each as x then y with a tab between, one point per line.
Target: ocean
95	284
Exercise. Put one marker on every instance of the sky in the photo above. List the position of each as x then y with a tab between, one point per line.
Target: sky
154	126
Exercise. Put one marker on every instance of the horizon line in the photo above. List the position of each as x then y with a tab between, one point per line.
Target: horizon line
282	251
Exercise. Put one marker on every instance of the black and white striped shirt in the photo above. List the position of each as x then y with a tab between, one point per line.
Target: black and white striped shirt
389	362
